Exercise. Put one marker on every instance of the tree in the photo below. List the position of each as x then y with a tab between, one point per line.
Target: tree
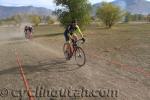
148	18
134	17
36	20
17	19
0	22
127	17
49	20
109	14
140	17
74	9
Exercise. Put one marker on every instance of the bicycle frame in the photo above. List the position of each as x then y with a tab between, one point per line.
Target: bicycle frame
74	49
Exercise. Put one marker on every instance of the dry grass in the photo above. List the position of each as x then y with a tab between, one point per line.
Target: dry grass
127	44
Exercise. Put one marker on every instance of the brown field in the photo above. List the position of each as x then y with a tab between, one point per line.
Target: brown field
117	59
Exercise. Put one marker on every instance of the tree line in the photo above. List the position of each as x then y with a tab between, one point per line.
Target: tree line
80	10
107	13
136	17
34	19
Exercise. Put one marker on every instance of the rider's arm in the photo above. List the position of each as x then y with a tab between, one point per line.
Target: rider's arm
79	31
68	28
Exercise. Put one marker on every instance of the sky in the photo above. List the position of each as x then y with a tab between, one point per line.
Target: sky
38	3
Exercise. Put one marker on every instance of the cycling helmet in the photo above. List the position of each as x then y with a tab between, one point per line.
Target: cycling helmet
74	21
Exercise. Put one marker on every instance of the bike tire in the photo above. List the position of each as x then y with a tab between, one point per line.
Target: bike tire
78	53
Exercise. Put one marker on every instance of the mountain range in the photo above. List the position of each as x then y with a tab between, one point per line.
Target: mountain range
132	6
6	12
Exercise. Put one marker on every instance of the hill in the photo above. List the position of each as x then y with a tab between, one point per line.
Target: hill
6	12
133	6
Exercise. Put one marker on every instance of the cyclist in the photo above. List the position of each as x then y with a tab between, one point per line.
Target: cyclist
70	33
26	31
30	29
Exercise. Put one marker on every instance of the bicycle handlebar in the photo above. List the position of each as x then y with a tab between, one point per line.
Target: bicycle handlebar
81	40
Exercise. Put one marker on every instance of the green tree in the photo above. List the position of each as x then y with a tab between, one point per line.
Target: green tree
74	9
109	14
36	20
49	20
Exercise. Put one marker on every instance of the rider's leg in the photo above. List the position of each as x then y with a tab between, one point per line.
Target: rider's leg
72	36
30	35
68	50
67	47
75	37
67	39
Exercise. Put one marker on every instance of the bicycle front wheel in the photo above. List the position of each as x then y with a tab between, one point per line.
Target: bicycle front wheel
80	57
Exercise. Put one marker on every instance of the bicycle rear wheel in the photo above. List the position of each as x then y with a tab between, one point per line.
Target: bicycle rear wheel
80	57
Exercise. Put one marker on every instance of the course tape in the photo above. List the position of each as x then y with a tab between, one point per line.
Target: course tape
24	77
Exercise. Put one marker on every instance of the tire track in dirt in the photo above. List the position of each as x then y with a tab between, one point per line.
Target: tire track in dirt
99	75
94	75
42	49
116	77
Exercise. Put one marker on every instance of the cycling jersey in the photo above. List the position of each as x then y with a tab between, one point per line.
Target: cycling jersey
25	29
70	30
30	29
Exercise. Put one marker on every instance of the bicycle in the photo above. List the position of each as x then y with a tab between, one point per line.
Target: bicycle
75	51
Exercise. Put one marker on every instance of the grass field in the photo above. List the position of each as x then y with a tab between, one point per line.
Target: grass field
124	39
47	30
